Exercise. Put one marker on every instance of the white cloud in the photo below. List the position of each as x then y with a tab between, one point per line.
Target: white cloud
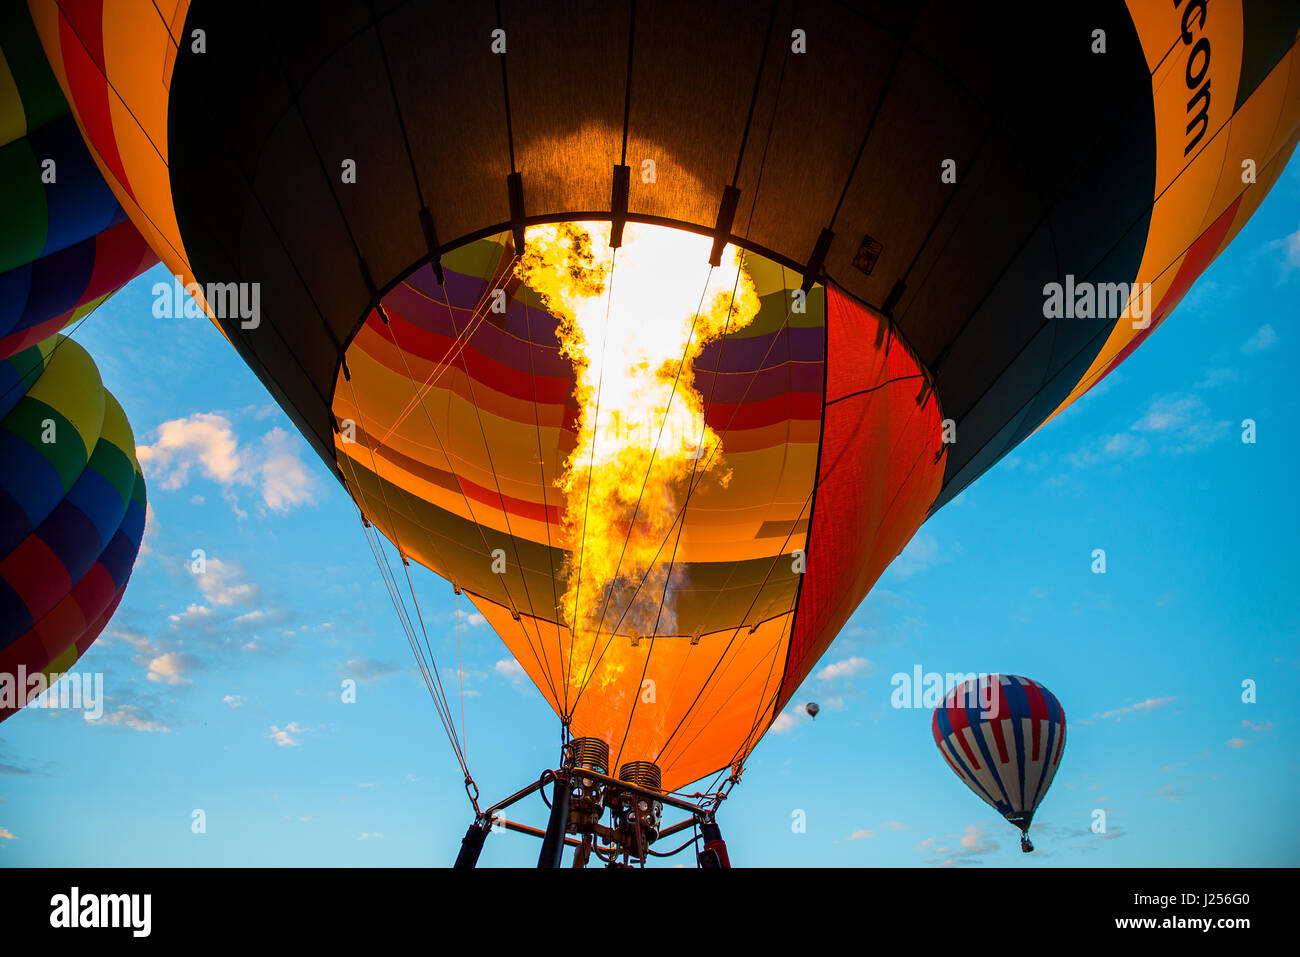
132	638
1265	338
1150	704
784	723
285	479
1181	423
284	737
205	439
205	442
861	835
974	841
150	530
848	668
787	721
170	668
513	670
192	613
1237	742
222	583
129	716
370	836
973	844
1290	246
234	700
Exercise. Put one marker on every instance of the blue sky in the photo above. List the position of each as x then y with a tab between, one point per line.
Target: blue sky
224	687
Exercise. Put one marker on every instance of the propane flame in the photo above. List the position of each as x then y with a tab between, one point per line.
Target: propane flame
633	332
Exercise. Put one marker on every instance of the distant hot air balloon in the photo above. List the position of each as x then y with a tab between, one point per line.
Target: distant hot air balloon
1003	735
65	242
831	277
72	512
812	708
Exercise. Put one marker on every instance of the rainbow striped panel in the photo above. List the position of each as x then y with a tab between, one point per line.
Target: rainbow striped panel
65	242
72	504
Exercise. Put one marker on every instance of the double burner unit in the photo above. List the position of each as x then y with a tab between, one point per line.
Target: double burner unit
583	792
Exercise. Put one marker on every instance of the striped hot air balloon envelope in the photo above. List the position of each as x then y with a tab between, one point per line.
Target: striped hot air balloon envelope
890	198
1003	735
72	510
65	243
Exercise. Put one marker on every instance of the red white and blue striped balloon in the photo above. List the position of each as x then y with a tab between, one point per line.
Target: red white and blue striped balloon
1008	755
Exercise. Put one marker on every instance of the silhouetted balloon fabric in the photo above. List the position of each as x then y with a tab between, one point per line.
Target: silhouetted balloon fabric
72	507
926	305
65	245
1009	754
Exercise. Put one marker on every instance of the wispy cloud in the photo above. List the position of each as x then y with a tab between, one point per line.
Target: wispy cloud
1181	423
1150	704
921	554
366	670
284	478
130	716
1265	338
514	671
973	845
1289	246
225	583
787	721
848	668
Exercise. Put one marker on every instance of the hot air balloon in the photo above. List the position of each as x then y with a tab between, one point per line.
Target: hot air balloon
1003	735
65	243
812	707
72	513
910	234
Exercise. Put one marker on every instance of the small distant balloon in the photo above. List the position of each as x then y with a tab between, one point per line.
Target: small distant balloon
812	708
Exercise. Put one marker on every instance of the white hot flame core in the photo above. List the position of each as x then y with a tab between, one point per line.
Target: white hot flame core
632	322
